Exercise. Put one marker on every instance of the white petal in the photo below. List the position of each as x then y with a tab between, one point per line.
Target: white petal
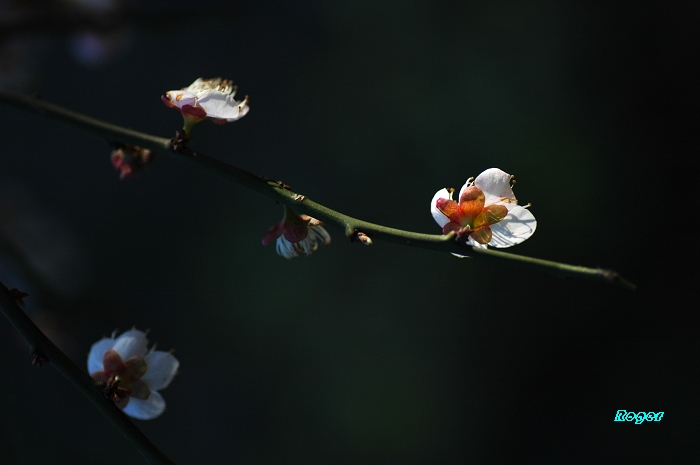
220	105
308	245
438	216
97	353
196	86
132	343
495	184
179	98
319	234
201	86
517	226
285	248
473	243
161	368
145	409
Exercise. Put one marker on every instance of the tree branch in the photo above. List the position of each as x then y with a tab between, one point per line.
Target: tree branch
281	193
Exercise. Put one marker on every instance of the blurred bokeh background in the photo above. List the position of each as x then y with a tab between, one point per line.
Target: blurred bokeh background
370	355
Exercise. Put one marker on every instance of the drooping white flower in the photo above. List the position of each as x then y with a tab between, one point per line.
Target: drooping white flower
296	235
207	99
487	212
132	373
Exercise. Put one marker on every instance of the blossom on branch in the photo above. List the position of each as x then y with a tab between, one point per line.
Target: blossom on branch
132	373
207	99
487	212
296	235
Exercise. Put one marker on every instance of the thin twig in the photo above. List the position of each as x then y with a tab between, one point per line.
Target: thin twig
281	193
45	351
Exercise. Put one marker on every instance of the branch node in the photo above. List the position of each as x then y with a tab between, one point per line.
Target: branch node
284	186
18	296
358	236
178	144
38	359
614	277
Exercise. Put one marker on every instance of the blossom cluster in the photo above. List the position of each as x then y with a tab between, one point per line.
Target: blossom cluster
486	212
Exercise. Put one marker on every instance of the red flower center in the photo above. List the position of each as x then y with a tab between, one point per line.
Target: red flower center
469	217
126	374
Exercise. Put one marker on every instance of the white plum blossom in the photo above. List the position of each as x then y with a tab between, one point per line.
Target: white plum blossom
317	235
487	212
296	235
132	373
207	99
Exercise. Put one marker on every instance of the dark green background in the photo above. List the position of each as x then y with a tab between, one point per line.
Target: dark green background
382	354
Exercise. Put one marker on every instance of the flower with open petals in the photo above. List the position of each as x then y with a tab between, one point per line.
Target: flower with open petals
132	373
487	212
207	99
297	235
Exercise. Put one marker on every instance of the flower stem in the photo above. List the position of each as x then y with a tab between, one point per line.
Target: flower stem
46	351
281	193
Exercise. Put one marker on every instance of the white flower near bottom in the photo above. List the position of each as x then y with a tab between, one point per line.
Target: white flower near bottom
133	371
297	235
486	213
